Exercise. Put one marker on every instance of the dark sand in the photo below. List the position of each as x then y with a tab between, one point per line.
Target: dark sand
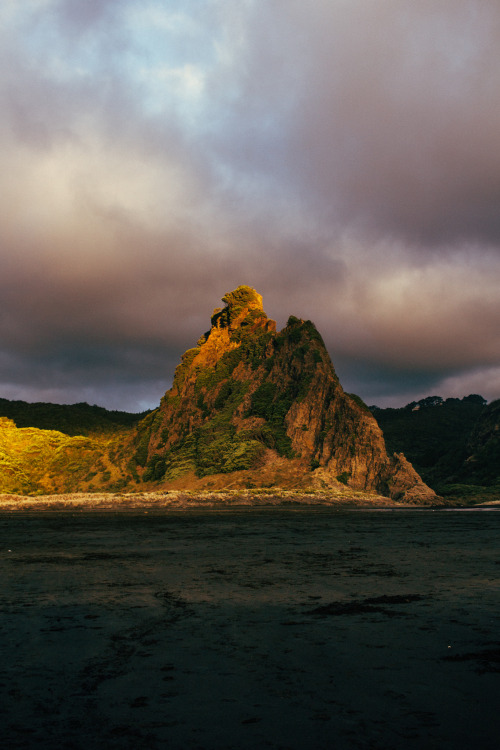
307	628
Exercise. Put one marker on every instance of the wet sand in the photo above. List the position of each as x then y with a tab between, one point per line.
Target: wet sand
256	628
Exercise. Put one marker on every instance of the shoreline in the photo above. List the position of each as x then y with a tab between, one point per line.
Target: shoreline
231	499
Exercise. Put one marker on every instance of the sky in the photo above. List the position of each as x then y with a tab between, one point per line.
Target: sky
342	157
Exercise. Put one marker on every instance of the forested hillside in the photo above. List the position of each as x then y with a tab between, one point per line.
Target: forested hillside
454	444
72	419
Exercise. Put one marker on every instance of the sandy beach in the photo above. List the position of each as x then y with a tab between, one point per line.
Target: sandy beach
244	628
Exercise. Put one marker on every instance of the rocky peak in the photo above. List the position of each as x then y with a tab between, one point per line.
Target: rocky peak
240	322
248	396
243	308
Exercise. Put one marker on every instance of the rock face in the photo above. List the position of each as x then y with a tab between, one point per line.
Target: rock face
250	406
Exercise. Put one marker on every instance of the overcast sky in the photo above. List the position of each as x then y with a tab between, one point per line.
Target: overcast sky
340	156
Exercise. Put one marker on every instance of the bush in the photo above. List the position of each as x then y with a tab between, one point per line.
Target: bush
210	377
344	477
262	400
155	468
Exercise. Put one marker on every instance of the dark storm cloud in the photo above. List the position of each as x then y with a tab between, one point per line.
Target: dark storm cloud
384	386
393	112
343	158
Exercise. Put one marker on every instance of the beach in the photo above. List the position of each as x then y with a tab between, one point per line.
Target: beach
300	627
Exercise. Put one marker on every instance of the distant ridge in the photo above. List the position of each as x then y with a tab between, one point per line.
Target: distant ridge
453	443
72	419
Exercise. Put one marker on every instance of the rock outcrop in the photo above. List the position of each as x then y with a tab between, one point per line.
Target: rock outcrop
251	406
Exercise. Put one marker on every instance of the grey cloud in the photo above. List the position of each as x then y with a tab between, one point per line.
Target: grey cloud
81	16
385	386
343	158
390	115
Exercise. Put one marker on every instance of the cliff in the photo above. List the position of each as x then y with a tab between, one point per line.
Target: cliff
253	407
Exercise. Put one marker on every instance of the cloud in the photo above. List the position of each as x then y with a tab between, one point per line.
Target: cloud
485	381
388	112
342	157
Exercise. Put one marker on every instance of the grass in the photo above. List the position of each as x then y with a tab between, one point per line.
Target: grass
34	461
185	499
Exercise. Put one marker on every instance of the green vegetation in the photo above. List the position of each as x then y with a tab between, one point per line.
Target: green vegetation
272	404
263	400
34	461
297	329
243	296
221	449
301	339
215	447
344	477
209	378
359	401
236	302
254	347
296	354
74	419
142	438
452	443
182	369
